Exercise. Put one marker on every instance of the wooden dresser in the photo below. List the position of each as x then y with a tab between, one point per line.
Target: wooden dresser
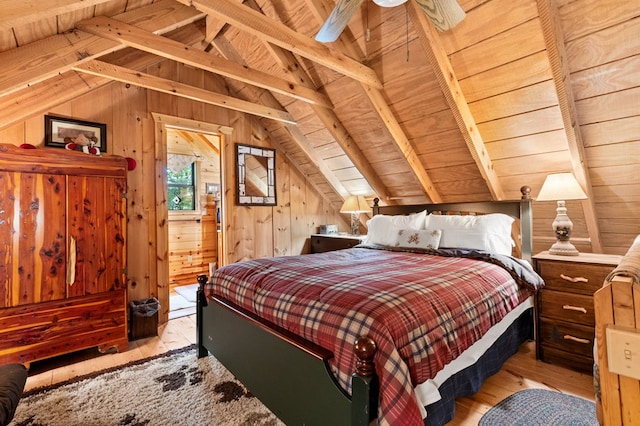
329	242
565	317
62	244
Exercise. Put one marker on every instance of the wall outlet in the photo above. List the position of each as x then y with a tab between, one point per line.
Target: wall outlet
190	259
623	351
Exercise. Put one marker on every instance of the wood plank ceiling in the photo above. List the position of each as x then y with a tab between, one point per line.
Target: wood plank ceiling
394	108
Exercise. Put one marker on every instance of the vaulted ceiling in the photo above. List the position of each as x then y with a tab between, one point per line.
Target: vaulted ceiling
394	108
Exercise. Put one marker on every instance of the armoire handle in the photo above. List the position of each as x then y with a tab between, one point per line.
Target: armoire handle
71	261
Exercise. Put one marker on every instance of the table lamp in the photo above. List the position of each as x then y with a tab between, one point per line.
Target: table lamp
561	187
355	204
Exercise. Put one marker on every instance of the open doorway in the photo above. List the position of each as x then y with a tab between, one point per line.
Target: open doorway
197	134
194	183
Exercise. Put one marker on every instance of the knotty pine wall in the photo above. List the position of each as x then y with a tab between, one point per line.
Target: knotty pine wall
250	232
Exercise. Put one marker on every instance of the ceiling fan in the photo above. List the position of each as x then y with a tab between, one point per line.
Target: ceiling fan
445	14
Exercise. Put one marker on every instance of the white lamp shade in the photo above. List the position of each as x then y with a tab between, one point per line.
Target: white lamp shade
355	204
561	186
389	3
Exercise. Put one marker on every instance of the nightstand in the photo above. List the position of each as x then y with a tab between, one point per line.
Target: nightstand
329	242
565	320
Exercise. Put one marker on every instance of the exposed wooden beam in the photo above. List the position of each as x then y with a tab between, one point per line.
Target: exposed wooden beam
19	13
214	26
46	58
381	106
41	97
170	87
554	41
334	126
437	56
279	34
298	137
170	49
205	139
328	117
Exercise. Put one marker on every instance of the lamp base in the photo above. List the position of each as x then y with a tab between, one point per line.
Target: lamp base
563	248
355	224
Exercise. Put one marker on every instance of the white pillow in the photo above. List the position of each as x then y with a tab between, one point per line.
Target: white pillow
490	232
383	229
421	238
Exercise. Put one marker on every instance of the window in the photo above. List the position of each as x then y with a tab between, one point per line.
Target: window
182	188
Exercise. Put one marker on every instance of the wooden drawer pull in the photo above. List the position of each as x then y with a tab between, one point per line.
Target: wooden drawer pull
574	308
576	339
574	280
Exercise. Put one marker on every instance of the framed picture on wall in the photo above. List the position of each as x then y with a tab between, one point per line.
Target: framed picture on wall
58	131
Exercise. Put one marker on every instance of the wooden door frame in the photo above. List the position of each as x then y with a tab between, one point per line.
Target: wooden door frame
163	121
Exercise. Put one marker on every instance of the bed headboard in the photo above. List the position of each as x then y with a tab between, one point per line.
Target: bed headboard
519	209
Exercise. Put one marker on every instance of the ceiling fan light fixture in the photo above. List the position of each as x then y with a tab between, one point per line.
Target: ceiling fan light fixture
389	3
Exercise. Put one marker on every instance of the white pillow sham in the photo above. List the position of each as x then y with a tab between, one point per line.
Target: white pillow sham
421	238
490	232
383	229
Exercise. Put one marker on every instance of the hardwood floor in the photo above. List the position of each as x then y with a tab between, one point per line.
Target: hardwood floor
522	371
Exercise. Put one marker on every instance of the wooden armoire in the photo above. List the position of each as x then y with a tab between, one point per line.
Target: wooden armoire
62	253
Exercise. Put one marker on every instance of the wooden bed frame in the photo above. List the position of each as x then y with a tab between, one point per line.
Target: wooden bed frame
290	375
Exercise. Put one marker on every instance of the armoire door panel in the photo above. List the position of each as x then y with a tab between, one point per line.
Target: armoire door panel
75	236
32	238
97	222
26	224
7	236
115	228
85	207
53	250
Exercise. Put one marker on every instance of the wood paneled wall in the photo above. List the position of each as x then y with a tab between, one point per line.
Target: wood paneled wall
193	245
250	232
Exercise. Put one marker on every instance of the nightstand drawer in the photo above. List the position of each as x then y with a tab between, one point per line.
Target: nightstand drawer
566	359
573	277
569	307
567	337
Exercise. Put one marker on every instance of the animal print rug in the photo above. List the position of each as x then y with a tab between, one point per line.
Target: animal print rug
172	389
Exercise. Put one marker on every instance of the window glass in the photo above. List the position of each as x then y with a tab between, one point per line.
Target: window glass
182	188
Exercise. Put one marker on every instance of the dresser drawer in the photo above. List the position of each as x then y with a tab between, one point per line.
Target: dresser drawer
566	359
569	307
573	277
567	337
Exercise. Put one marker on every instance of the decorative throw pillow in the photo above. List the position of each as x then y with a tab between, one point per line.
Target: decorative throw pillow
383	229
421	238
490	232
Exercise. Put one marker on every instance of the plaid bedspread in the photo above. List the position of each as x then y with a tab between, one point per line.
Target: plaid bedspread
421	310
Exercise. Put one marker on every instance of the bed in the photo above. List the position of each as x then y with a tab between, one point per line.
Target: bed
338	338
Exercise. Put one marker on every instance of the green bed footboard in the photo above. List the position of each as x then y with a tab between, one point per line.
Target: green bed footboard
289	375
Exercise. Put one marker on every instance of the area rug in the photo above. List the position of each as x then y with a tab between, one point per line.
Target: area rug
534	407
172	389
188	291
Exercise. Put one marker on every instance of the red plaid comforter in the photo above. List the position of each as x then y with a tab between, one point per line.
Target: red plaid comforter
422	310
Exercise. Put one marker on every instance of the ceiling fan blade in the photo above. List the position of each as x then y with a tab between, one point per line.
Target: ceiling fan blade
445	14
338	20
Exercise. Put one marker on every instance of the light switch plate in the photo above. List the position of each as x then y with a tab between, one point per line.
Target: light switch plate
623	351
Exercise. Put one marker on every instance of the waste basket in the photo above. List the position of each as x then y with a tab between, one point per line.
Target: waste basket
143	318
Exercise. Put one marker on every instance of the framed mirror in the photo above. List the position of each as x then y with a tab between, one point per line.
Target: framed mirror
255	175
